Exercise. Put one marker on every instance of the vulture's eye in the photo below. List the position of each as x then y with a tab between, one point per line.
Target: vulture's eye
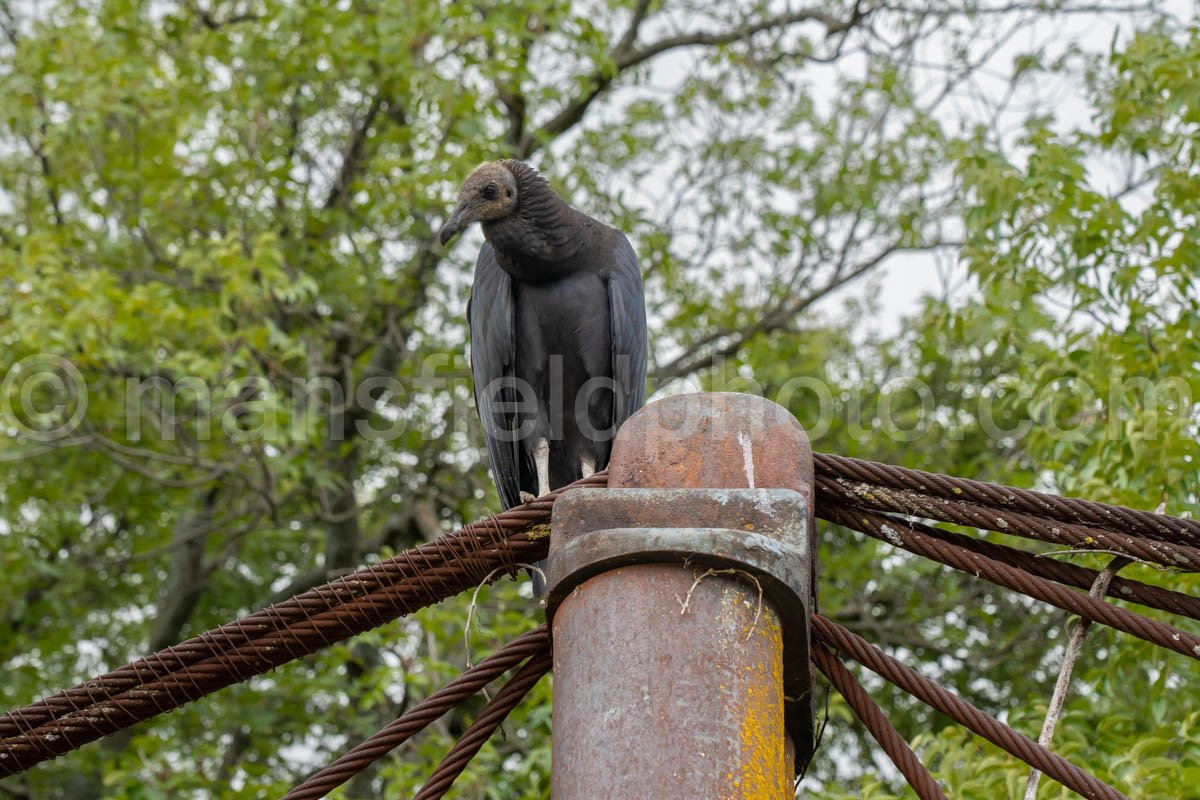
489	192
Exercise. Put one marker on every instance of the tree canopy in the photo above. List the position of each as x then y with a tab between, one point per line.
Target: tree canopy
234	359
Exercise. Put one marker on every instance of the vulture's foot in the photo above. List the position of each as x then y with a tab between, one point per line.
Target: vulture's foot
527	497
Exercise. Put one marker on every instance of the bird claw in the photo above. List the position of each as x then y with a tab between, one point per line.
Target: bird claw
527	497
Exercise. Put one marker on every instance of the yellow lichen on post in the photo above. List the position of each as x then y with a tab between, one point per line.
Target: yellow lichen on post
763	774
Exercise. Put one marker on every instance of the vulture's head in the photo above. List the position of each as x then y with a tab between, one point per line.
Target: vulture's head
488	194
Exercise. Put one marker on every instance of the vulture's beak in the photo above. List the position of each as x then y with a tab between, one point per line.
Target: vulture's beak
453	225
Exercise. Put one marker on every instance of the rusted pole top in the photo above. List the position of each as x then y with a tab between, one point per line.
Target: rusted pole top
679	602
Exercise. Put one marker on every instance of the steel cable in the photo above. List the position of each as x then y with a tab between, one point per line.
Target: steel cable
266	639
419	716
953	706
485	725
912	536
1074	575
866	495
1065	509
880	727
452	563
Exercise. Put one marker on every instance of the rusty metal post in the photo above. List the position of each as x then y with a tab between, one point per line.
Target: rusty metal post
679	601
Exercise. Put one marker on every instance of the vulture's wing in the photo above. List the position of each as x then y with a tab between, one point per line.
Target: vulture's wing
627	310
493	346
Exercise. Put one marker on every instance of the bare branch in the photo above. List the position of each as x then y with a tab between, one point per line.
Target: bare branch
9	24
1039	6
700	355
625	58
39	152
49	447
353	156
213	24
515	108
154	455
1074	646
630	36
115	455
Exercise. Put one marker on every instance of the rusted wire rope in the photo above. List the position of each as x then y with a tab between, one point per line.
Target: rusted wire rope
485	725
861	495
114	712
1064	509
958	709
877	723
382	592
470	545
1074	575
407	566
912	536
865	495
214	643
273	636
419	716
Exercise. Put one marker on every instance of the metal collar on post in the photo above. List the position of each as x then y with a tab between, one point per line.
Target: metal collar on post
759	534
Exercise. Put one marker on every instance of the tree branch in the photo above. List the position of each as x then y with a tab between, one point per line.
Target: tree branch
625	57
1039	6
39	152
1063	684
187	577
630	36
353	156
514	108
698	356
214	24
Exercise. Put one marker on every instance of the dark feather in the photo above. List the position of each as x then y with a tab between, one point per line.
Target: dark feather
627	311
492	354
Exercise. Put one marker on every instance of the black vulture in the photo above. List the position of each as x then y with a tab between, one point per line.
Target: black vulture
558	331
